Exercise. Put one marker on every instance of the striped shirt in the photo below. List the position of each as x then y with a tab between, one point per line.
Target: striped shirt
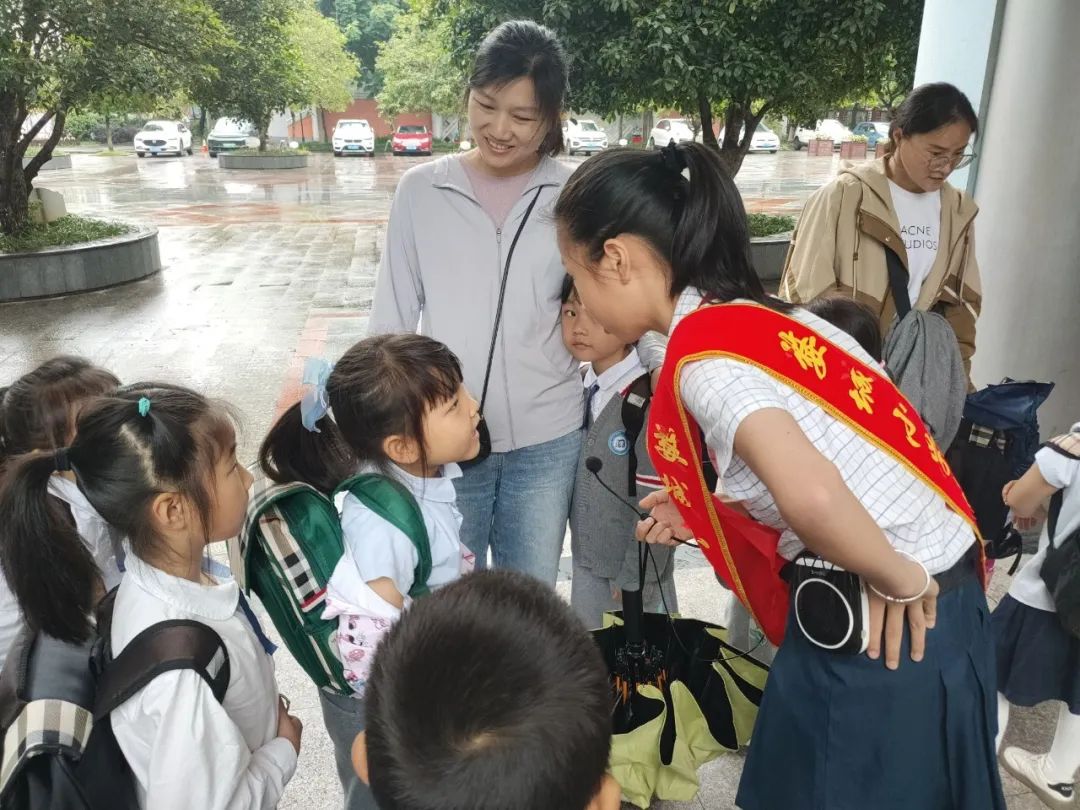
722	393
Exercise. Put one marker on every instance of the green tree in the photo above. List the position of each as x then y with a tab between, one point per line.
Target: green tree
52	59
418	70
366	24
260	70
328	71
739	59
285	54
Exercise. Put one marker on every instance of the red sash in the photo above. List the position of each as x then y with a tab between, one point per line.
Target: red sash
743	551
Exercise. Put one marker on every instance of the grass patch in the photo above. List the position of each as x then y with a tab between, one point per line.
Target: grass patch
113	153
34	151
267	153
69	230
769	224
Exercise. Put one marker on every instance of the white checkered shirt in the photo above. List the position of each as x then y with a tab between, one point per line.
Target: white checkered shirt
721	393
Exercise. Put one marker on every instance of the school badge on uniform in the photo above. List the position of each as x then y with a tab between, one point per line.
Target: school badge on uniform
618	443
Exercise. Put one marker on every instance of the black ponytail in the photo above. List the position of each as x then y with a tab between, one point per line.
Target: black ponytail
697	225
128	449
46	564
291	452
381	387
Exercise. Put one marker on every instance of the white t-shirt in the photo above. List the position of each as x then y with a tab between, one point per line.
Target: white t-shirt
612	382
375	549
1061	472
920	224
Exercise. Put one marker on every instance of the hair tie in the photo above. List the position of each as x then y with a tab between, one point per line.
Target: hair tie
144	406
314	404
61	462
674	159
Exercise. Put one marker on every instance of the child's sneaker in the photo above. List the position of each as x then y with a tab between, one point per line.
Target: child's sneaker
1030	769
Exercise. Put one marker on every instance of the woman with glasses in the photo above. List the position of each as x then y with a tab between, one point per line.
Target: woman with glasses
901	203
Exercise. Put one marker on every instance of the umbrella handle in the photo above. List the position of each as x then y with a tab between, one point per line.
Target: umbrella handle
632	618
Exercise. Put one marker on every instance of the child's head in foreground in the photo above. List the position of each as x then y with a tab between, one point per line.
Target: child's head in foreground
848	315
583	336
488	695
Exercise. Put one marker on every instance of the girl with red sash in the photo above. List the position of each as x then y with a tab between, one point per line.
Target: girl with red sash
828	458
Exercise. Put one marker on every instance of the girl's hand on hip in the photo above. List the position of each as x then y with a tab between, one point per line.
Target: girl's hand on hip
887	621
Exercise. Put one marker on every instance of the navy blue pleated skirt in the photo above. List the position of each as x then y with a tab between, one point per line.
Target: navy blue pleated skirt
1037	660
842	732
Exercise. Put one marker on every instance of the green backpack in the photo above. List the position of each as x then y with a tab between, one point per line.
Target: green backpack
289	546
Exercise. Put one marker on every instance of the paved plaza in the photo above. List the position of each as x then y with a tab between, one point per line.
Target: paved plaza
264	269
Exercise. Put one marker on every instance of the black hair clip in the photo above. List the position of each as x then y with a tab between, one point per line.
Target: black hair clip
61	462
673	158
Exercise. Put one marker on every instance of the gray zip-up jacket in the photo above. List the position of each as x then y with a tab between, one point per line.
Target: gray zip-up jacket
441	270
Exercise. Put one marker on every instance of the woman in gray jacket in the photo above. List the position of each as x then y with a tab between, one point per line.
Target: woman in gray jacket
451	228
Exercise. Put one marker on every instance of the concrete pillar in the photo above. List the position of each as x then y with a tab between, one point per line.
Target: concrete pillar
1026	181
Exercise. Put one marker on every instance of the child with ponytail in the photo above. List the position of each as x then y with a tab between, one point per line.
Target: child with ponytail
37	412
159	465
395	405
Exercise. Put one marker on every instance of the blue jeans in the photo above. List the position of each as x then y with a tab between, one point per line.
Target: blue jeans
517	504
344	718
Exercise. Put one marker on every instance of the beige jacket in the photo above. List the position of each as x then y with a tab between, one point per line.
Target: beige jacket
839	246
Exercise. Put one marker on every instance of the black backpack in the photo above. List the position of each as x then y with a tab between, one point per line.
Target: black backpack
57	749
1061	569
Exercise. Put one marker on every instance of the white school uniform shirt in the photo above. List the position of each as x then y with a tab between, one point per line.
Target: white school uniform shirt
722	393
376	549
185	749
1063	473
93	531
611	382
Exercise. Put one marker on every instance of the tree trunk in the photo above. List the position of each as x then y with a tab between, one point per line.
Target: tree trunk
14	208
737	120
708	136
202	124
322	126
15	181
108	131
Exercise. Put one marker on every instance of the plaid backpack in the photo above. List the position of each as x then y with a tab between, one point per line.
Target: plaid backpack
57	747
289	546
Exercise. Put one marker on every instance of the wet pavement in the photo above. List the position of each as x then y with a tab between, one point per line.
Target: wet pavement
263	269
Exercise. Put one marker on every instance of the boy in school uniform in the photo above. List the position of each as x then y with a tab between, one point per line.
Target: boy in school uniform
489	695
606	557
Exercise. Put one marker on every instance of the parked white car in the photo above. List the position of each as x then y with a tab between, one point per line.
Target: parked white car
353	136
230	134
669	130
583	135
828	128
163	138
764	140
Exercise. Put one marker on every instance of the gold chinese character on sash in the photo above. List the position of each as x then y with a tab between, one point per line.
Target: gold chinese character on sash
667	445
936	454
863	392
676	489
806	351
900	412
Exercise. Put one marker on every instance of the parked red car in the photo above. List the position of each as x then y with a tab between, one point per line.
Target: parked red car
411	139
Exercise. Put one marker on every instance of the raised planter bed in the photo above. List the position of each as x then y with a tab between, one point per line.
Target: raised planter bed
79	268
55	162
820	147
853	150
768	254
267	161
